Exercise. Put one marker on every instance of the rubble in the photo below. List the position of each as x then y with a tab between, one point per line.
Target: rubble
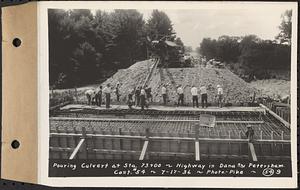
235	89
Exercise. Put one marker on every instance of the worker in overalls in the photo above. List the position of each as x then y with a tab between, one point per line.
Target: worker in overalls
250	133
107	92
143	98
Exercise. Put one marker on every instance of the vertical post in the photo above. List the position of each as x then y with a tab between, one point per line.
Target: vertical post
261	134
197	146
79	145
145	146
76	95
272	135
252	151
85	152
282	135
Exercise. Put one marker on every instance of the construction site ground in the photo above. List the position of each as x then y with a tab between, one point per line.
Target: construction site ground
163	108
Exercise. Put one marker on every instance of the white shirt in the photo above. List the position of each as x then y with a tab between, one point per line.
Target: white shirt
203	90
220	90
89	92
163	90
106	90
179	90
143	92
194	91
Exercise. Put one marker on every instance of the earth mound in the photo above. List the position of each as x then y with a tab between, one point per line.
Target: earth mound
235	89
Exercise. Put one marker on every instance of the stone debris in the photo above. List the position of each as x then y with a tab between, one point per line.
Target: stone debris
235	89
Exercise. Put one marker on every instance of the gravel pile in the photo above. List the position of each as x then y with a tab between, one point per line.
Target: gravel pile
235	89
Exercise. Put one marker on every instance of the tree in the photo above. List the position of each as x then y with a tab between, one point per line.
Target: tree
159	26
127	28
188	49
227	49
208	48
180	44
85	48
285	28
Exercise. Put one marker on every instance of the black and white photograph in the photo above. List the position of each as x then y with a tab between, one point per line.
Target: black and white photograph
171	86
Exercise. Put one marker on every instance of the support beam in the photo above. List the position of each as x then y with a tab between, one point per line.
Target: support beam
76	149
166	138
144	120
276	116
245	122
252	151
143	153
197	150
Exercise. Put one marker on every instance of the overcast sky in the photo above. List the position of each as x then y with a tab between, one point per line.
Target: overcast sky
194	25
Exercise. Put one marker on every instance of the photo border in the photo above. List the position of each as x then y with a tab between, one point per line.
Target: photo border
183	182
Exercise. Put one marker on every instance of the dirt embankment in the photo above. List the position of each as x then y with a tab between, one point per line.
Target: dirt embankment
273	88
235	89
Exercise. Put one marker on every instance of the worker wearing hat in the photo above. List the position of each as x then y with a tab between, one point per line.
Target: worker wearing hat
250	133
107	92
180	95
220	95
117	92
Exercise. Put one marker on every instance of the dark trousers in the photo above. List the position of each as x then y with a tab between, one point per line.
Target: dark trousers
143	101
195	101
220	100
180	99
107	100
98	99
89	99
137	100
204	100
164	98
118	97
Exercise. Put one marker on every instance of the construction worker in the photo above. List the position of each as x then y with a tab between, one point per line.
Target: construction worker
98	96
220	95
118	92
130	99
148	94
89	95
203	93
180	95
137	96
164	94
194	92
143	98
107	92
250	133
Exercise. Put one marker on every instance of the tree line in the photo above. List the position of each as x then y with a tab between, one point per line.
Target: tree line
86	47
250	54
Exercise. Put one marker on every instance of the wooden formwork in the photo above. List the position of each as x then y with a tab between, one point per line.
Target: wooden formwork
133	138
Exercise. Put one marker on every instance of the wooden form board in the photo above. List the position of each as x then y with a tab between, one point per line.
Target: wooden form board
19	93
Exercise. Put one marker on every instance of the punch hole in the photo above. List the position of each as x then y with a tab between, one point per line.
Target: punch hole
17	42
15	144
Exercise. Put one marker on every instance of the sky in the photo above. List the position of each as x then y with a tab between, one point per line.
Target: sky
194	25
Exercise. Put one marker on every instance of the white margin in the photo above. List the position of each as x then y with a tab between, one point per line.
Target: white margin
183	182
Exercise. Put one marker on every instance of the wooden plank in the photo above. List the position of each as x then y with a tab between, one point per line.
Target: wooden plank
168	138
145	120
237	122
276	116
197	150
252	151
76	149
143	153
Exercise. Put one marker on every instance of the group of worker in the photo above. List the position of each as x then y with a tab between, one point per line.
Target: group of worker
195	94
95	96
142	96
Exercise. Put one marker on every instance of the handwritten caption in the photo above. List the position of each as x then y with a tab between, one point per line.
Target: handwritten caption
140	168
